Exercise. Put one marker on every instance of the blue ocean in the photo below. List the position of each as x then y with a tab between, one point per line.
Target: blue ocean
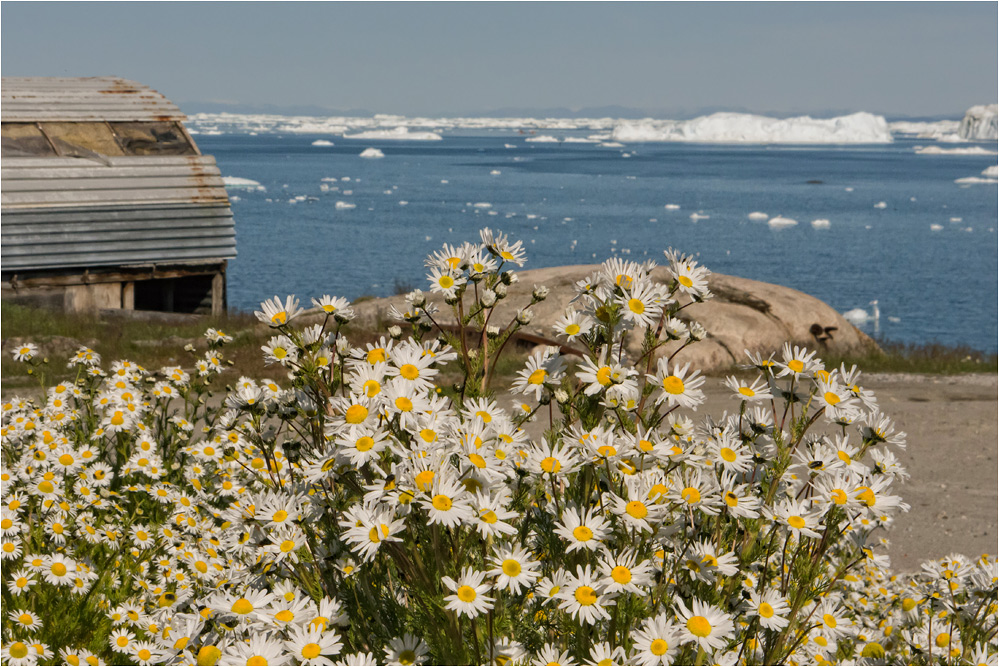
900	230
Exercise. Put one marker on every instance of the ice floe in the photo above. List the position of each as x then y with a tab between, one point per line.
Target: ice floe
960	150
935	227
495	172
821	223
941	130
748	128
342	205
699	216
780	222
395	134
542	139
758	215
372	153
672	207
881	204
237	183
322	142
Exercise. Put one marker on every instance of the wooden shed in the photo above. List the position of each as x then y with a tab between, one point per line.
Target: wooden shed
107	201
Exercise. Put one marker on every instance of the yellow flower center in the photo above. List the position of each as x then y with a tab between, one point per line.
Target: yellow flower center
636	306
489	516
58	569
18	650
796	521
908	604
442	503
796	365
727	454
242	606
829	620
25	619
310	651
685	281
287	546
404	404
942	640
838	496
279	516
747	392
66	460
364	443
572	329
831	398
537	377
409	371
511	568
586	596
731	499
691	495
636	509
466	593
766	611
257	660
621	574
372	388
550	464
582	533
279	318
673	385
447	282
424	479
356	414
477	460
145	654
699	626
658	646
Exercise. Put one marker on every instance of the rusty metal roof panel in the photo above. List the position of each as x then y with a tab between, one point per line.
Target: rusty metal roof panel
33	99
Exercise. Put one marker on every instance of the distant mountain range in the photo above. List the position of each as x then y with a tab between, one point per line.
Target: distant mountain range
610	111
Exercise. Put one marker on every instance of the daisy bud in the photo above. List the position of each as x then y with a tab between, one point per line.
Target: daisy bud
492	331
697	332
450	299
508	277
489	298
561	395
417	298
189	348
525	316
500	290
395	332
540	293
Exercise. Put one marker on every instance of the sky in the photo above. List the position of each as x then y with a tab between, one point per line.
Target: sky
670	59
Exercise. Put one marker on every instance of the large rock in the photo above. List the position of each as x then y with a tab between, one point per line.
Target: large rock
744	314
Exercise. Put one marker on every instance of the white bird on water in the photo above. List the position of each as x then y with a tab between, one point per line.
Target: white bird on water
861	316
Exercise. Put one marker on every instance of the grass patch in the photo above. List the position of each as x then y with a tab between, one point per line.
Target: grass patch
152	344
930	358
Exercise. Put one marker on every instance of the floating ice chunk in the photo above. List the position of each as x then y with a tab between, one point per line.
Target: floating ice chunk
482	204
348	192
542	139
403	202
780	222
961	150
672	207
329	179
912	199
567	219
980	123
956	219
427	238
612	144
935	227
345	178
234	198
341	205
699	216
991	172
856	316
493	212
653	219
444	181
388	192
625	154
848	189
579	140
747	128
237	183
532	216
495	172
975	180
821	223
881	204
372	153
397	134
757	215
894	320
509	146
322	142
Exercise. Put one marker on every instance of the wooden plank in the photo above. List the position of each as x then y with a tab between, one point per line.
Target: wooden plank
125	161
117	258
115	196
123	183
97	214
12	175
11	233
20	244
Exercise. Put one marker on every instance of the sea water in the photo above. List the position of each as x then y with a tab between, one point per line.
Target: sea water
928	255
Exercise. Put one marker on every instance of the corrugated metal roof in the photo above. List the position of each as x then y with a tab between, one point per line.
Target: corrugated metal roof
66	212
32	99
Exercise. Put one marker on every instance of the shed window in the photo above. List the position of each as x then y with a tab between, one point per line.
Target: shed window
82	139
162	138
88	140
24	140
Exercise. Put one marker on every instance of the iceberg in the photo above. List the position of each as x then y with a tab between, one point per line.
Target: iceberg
341	205
821	223
980	123
941	130
881	204
543	139
862	128
672	207
935	227
237	183
758	215
322	142
371	153
400	133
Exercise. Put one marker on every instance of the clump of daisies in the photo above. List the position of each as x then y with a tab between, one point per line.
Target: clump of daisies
354	511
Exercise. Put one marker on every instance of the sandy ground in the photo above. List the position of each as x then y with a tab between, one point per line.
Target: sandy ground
951	456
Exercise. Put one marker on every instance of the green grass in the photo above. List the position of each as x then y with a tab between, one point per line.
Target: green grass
151	344
930	358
